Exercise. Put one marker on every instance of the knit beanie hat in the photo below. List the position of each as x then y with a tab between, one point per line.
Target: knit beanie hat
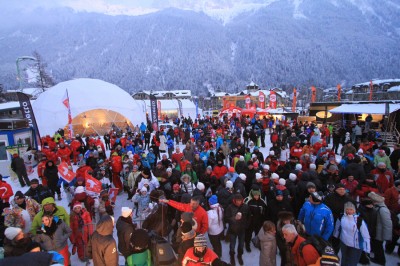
292	177
77	204
241	158
275	176
126	211
200	186
258	176
282	181
229	184
12	232
299	166
349	205
35	181
313	166
266	167
213	200
79	189
19	195
256	192
200	241
311	184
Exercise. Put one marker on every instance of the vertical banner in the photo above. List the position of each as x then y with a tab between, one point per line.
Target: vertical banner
65	101
261	100
339	92
154	112
159	110
371	90
180	107
197	107
247	101
294	100
313	94
28	114
272	99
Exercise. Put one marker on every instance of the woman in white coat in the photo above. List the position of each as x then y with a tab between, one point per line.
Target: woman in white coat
215	224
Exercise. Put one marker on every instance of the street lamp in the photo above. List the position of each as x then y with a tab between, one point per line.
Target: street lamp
19	59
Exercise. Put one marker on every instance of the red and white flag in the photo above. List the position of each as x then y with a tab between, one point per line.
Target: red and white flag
113	192
272	99
65	101
261	100
65	173
92	184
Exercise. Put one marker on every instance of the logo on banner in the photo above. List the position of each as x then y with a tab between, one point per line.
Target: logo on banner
113	192
92	184
261	98
65	173
248	100
272	98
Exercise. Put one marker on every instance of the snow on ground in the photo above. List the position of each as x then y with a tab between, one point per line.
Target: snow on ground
251	258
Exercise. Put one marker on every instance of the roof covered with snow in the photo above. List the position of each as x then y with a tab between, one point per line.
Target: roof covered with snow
376	82
9	105
188	107
281	93
84	95
394	89
177	93
371	108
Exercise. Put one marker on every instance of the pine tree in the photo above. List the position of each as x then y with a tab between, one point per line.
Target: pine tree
44	80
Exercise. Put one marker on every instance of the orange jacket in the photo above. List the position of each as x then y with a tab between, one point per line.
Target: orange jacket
310	254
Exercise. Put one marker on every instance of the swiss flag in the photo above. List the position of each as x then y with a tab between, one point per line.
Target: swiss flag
113	192
65	173
92	184
65	100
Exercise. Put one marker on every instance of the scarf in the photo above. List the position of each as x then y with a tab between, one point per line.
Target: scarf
189	235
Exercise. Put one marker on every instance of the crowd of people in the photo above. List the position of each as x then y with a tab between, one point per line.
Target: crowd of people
289	195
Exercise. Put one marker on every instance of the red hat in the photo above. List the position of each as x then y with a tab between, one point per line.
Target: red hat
77	204
231	169
350	155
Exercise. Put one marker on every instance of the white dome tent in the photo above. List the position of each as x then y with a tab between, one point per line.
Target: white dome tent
95	106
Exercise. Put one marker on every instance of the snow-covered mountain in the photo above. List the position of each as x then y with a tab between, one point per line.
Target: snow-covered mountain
221	44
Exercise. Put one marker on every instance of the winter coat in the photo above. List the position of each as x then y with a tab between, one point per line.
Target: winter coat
346	229
258	211
157	221
219	171
5	191
237	226
268	248
18	166
102	247
382	159
200	215
58	240
125	229
383	223
14	248
59	211
51	174
140	259
274	207
225	197
163	142
392	199
39	193
383	180
30	258
81	226
31	206
240	187
190	259
143	201
310	254
356	170
215	220
188	188
335	203
317	219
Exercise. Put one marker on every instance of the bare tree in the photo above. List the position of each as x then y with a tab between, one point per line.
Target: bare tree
44	80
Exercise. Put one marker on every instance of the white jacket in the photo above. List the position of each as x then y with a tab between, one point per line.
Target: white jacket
215	219
350	235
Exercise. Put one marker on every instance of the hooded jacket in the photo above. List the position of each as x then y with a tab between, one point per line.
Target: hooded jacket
102	247
59	211
318	219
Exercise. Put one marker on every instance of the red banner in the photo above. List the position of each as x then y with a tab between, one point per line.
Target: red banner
294	100
339	92
113	192
261	100
313	94
92	184
247	101
65	173
272	100
159	110
371	90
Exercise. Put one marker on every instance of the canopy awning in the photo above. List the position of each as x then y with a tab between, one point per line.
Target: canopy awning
368	108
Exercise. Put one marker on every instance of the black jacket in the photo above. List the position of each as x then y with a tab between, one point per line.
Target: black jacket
125	229
39	193
237	226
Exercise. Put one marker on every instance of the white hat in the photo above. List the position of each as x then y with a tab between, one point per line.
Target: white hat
272	153
299	166
274	176
242	176
12	232
258	176
229	184
253	156
79	189
360	151
169	169
282	181
200	186
241	158
292	177
126	211
266	167
143	189
146	181
313	166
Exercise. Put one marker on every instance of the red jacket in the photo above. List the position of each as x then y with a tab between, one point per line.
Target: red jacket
64	154
296	151
79	230
190	259
116	164
364	190
80	172
310	254
177	157
383	180
392	199
200	215
220	171
5	191
75	145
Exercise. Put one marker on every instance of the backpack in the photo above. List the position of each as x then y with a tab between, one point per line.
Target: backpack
317	242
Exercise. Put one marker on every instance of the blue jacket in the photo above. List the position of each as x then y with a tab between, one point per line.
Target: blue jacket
143	127
151	157
317	219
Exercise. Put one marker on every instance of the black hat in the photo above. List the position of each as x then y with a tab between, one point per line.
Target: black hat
35	181
140	239
339	185
146	171
18	195
316	197
186	227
